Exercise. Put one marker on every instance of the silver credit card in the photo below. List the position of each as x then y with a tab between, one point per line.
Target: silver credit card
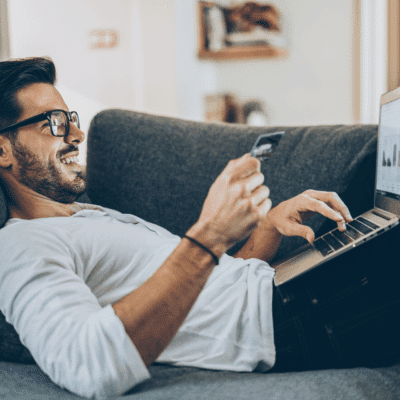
265	145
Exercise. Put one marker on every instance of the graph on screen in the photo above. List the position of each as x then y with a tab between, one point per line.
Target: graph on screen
388	166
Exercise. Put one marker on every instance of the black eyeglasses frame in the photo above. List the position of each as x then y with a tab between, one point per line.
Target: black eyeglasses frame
42	117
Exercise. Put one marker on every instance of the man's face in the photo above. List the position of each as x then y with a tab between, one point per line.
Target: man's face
41	158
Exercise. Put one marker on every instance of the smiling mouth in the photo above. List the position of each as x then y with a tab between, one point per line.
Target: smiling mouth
70	160
69	156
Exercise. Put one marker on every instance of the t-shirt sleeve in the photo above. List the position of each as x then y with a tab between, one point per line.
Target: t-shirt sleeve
80	345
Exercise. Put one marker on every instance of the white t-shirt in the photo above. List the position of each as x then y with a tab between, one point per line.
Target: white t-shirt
60	276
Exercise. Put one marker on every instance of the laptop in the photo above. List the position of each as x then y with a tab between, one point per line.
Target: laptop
384	216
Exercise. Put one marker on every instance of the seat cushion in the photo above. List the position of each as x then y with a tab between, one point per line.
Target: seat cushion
28	382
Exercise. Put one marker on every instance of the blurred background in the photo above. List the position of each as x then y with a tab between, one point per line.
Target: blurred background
339	57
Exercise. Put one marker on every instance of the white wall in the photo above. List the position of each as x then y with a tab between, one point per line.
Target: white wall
313	85
373	58
89	80
139	74
159	59
194	78
155	68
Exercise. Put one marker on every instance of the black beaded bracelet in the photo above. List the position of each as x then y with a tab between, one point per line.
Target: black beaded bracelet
204	248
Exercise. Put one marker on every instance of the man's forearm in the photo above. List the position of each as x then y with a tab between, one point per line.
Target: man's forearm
235	203
153	313
263	243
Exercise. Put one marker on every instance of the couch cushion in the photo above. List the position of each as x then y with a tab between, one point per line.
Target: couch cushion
11	348
161	168
28	382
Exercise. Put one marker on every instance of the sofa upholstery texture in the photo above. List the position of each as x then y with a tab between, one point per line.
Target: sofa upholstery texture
160	169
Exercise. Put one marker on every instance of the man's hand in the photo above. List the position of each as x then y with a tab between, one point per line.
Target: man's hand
236	204
288	216
287	219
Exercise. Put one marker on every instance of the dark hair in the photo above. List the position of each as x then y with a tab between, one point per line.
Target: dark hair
14	76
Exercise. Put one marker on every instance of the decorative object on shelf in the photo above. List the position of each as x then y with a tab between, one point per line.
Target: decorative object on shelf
246	30
226	107
254	113
223	108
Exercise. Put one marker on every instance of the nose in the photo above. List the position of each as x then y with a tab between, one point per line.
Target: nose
75	135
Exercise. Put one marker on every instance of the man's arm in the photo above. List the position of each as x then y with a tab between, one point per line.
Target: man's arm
153	313
286	220
263	243
235	205
79	344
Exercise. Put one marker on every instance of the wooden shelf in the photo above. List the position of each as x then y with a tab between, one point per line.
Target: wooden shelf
239	52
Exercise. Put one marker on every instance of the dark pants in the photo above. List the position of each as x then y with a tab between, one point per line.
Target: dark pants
343	314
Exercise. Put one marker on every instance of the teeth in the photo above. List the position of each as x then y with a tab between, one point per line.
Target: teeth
70	160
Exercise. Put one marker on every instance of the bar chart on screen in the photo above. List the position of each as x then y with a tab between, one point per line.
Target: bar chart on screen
388	176
388	165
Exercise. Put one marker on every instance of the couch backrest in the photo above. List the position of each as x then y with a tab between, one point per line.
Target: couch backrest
161	168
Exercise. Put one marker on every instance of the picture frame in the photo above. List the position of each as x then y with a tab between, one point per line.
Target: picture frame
241	31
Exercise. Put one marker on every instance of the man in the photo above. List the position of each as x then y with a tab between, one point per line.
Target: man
98	296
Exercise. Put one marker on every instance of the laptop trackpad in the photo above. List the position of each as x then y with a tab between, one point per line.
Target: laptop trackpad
299	263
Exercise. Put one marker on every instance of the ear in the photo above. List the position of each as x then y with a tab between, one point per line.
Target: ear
6	155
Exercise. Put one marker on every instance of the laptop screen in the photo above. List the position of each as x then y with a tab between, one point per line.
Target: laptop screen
388	160
387	183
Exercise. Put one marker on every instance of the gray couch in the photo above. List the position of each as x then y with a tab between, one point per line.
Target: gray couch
160	169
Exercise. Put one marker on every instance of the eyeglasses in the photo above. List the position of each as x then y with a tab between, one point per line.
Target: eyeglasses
58	120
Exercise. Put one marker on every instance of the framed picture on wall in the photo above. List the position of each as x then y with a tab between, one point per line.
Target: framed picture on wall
244	30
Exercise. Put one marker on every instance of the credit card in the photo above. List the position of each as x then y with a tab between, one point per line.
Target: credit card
265	145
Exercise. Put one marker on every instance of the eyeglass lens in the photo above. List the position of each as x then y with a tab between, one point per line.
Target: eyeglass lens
59	122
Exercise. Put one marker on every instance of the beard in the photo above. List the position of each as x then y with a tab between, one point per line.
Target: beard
48	178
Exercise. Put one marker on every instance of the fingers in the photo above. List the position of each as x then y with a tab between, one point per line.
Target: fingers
245	172
243	167
322	208
332	199
259	195
289	215
331	206
253	182
264	208
304	231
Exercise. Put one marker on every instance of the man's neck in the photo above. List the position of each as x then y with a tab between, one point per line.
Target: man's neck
31	205
43	211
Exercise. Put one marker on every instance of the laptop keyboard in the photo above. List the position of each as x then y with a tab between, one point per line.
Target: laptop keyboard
333	242
323	247
368	223
353	233
342	237
360	227
336	239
